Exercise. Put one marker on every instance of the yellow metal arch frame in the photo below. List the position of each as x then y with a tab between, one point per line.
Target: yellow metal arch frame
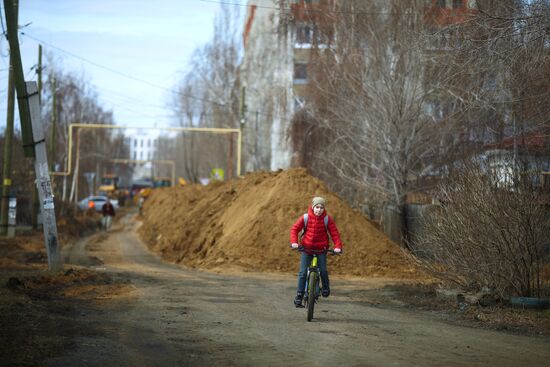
177	129
170	162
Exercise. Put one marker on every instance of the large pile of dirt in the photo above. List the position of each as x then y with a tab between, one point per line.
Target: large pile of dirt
245	224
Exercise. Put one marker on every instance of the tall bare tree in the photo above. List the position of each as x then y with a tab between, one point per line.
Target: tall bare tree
373	93
77	101
208	96
491	228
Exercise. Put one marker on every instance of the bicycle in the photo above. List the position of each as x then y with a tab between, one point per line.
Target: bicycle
313	280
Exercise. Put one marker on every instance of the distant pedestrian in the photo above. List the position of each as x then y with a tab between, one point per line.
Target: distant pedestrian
141	200
108	211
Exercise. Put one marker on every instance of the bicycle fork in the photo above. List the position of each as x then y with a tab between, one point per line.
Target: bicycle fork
313	268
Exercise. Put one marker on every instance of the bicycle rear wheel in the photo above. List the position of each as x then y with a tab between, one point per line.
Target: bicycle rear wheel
312	285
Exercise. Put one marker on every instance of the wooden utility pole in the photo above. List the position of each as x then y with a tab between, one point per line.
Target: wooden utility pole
11	11
53	132
8	141
34	197
39	73
33	136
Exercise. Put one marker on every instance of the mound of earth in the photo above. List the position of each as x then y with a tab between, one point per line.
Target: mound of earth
246	223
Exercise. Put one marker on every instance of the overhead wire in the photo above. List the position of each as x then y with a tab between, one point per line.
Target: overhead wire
128	98
125	75
131	77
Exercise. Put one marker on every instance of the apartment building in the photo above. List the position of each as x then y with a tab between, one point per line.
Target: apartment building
275	72
281	43
147	146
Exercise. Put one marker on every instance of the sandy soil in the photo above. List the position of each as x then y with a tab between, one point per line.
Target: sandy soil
246	223
173	315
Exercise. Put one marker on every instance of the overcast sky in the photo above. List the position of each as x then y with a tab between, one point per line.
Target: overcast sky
146	39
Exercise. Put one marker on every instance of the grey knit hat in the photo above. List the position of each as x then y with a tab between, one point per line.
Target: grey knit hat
318	201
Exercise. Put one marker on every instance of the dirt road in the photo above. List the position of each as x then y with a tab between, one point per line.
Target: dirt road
179	317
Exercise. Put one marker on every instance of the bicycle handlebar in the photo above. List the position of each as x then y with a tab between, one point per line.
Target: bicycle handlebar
303	249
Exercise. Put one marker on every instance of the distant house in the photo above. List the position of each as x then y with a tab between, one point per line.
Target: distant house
147	146
528	153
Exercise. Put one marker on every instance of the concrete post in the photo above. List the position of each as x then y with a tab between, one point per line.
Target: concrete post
43	179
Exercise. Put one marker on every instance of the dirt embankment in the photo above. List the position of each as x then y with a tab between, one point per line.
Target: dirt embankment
245	224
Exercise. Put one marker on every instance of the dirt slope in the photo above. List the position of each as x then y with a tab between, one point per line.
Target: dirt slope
245	224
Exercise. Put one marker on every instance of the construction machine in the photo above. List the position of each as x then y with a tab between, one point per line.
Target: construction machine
109	186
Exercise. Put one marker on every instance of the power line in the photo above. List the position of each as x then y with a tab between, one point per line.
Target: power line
224	105
120	73
128	98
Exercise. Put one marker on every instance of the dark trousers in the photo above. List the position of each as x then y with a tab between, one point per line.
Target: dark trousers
305	260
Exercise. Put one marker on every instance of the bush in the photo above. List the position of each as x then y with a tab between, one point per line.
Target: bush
488	232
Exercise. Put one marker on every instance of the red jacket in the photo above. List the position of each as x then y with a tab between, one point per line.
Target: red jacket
316	237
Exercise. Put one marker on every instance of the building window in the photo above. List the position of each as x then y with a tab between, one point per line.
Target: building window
141	155
442	3
149	143
135	155
304	33
141	143
135	143
457	4
300	73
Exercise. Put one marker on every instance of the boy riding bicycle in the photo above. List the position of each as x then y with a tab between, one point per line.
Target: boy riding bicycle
317	226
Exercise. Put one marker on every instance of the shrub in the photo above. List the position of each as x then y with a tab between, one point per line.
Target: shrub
488	232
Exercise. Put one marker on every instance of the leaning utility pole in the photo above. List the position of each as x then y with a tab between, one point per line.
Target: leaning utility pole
32	133
34	197
8	140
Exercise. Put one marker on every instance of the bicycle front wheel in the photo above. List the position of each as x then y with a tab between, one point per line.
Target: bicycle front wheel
312	285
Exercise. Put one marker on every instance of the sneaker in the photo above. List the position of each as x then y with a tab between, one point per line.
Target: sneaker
325	292
298	300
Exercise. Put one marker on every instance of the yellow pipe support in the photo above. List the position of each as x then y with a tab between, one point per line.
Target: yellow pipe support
239	142
106	126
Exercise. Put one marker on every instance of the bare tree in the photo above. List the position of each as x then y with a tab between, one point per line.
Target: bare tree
492	226
373	93
77	102
400	90
187	108
208	96
502	51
